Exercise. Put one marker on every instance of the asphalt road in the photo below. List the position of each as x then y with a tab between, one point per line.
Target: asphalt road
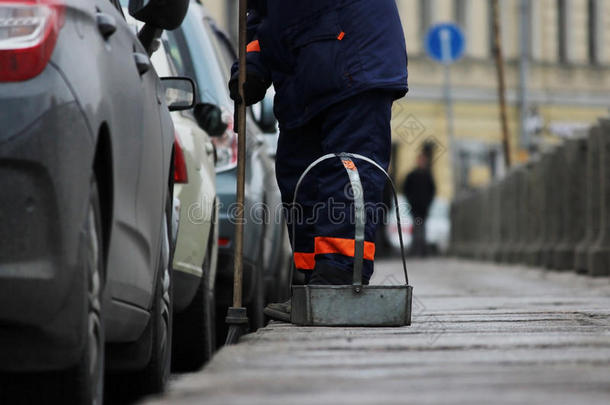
481	333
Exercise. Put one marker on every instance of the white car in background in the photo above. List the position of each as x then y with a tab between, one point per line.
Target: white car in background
195	257
391	227
437	226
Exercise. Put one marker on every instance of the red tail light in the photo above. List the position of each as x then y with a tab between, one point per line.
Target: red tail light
180	173
226	148
224	242
28	32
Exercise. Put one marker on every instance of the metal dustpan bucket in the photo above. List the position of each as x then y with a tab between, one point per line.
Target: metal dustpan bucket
342	306
356	304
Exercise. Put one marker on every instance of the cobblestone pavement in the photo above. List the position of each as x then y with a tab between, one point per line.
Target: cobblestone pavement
481	333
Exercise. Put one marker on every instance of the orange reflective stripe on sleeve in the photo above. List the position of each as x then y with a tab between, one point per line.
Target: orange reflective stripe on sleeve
305	261
253	46
341	35
346	247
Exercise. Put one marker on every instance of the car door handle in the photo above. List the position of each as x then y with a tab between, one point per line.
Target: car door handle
106	24
209	148
142	62
260	139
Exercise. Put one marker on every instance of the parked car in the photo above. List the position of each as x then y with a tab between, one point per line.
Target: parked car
265	127
86	152
196	254
196	41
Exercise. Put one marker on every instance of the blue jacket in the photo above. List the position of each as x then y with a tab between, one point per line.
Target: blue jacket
319	52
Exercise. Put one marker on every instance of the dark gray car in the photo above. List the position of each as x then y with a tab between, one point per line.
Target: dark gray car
86	147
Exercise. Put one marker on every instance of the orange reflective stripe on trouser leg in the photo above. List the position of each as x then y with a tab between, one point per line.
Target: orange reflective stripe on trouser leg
253	46
305	261
346	247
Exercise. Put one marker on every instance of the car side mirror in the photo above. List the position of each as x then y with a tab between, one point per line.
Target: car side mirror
209	118
163	14
179	93
264	116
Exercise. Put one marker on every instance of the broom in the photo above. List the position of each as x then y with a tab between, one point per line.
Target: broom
237	318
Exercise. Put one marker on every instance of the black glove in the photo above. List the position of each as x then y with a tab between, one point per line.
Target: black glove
255	88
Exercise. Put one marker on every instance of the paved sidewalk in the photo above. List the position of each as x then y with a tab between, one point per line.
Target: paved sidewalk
481	333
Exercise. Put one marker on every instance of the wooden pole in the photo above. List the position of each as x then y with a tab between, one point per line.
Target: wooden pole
501	82
241	161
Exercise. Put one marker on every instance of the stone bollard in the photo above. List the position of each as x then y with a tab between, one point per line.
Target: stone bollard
494	222
485	227
508	216
552	216
475	211
504	220
539	199
474	225
599	254
463	224
466	214
458	226
592	206
517	234
471	225
467	218
572	201
456	221
525	212
452	227
558	192
536	208
483	223
512	216
479	226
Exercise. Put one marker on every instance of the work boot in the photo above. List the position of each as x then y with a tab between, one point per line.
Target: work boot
279	311
323	274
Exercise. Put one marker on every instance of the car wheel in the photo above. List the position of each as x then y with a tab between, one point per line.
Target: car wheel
82	384
89	374
256	316
153	378
284	282
194	340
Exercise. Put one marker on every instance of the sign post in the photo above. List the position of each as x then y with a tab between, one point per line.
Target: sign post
445	43
501	81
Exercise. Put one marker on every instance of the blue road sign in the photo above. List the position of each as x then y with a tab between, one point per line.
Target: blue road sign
445	42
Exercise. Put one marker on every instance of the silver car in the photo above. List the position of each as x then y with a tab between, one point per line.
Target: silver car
86	173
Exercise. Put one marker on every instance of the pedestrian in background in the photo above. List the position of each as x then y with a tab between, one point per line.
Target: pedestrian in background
419	188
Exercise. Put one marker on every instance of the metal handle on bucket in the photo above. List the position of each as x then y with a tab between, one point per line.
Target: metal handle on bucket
360	217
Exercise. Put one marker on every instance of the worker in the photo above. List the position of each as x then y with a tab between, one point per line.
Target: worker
336	66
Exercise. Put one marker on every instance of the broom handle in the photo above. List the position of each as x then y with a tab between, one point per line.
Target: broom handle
241	160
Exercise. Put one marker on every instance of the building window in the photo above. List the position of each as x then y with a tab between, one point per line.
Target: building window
460	12
562	31
593	31
490	24
425	16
